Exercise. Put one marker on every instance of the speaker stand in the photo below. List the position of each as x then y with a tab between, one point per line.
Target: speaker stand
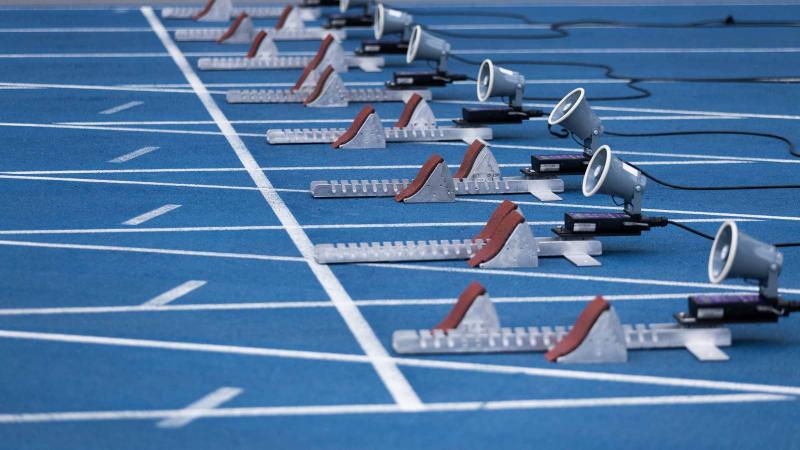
606	224
407	80
496	115
373	47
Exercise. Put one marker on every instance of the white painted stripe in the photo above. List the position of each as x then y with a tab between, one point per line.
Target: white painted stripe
627	50
560	276
639	110
635	153
313	168
174	293
725	50
122	107
140	130
156	251
378	408
89	87
143	183
410	362
335	226
390	120
572	277
651	210
387	370
134	154
138	220
199	408
311	304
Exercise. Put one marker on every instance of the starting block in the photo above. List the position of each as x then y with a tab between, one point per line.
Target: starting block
329	91
224	10
416	124
290	27
263	55
597	336
478	174
506	241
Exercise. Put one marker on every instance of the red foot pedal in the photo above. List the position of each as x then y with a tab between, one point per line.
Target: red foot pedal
432	184
240	31
468	311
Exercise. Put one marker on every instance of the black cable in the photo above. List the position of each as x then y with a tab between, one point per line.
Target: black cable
714	188
711	238
691	230
789	144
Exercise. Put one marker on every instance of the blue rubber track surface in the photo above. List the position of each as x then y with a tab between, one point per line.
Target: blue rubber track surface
251	323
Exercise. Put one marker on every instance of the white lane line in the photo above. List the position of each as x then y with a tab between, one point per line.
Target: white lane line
559	276
639	110
122	107
89	87
389	120
384	408
75	30
140	219
174	293
139	130
309	168
143	183
410	362
67	310
337	226
627	50
636	153
199	408
155	251
566	276
134	154
651	210
387	370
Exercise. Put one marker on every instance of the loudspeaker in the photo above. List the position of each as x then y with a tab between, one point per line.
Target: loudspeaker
392	21
608	174
427	47
574	113
736	255
344	5
494	81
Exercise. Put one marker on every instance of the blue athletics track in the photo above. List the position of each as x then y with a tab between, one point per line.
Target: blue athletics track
157	281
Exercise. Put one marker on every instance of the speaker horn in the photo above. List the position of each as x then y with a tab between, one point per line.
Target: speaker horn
736	255
574	113
392	21
427	47
608	174
495	81
344	5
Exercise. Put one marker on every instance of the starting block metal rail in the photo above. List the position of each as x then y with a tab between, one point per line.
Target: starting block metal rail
506	241
263	55
290	27
224	10
473	326
478	174
329	92
416	124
